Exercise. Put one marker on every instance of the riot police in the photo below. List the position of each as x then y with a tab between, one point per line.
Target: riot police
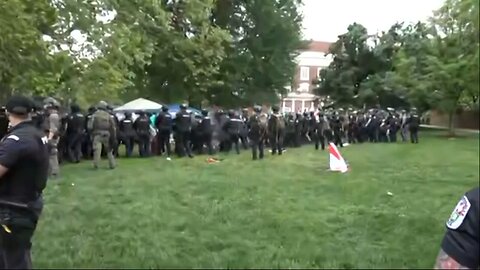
276	130
206	132
102	127
257	132
75	133
24	164
233	128
413	123
53	126
127	133
183	125
3	122
164	124
142	129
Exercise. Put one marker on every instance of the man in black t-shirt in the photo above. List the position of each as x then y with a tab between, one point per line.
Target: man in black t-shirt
460	245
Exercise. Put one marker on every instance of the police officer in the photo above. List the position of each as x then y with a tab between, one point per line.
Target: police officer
142	128
53	125
233	128
3	122
206	129
164	124
88	139
75	133
244	130
413	123
257	132
127	133
24	168
183	123
460	248
102	128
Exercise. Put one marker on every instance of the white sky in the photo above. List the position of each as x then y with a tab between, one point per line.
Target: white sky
324	20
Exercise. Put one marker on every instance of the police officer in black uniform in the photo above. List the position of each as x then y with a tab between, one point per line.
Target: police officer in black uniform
413	123
75	133
3	122
24	161
460	247
164	124
206	131
142	128
183	125
87	140
233	128
127	133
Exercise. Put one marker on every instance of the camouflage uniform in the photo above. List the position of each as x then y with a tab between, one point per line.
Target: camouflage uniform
53	128
102	127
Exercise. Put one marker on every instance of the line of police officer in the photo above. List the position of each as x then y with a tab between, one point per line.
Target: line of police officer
101	133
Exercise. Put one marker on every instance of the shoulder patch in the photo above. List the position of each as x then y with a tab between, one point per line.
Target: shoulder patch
13	137
459	213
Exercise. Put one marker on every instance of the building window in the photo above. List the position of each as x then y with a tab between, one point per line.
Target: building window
318	72
304	87
304	73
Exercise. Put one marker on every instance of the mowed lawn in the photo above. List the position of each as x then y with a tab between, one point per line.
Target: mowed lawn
283	212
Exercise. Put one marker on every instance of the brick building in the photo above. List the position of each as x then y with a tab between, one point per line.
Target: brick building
300	96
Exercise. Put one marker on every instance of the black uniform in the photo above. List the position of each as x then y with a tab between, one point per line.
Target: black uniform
206	130
413	124
233	128
142	128
87	140
24	152
127	134
183	125
75	135
164	124
3	122
462	239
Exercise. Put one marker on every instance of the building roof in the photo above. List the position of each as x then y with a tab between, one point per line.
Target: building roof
318	46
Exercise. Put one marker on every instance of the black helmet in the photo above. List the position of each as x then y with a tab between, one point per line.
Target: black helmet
164	109
204	112
275	108
231	113
183	106
128	114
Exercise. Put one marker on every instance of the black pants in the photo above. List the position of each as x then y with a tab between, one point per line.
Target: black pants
74	147
337	139
244	140
144	145
15	258
164	142
319	139
234	141
393	136
258	146
129	142
182	141
206	139
276	142
413	134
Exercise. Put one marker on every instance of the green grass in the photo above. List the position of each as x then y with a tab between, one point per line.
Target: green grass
282	212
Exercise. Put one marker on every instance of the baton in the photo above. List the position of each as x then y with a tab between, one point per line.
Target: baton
14	204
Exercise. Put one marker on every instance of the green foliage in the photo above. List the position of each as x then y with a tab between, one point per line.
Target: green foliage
430	65
167	50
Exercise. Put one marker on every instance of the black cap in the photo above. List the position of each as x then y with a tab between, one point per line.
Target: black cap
19	105
164	109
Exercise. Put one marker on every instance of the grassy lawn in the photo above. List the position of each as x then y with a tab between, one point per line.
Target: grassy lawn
286	211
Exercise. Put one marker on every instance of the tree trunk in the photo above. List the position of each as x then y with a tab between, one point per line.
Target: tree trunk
451	123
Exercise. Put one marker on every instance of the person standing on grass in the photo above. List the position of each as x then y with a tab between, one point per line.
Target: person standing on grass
24	165
461	244
103	130
413	124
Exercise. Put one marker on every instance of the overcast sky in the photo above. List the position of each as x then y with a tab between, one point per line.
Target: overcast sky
324	20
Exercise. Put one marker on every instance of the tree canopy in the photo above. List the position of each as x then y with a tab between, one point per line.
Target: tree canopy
429	65
227	52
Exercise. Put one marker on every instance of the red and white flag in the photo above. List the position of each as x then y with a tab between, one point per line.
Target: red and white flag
337	163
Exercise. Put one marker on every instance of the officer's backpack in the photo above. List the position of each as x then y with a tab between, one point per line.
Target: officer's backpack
101	121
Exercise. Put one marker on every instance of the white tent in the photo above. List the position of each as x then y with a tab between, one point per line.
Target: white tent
139	104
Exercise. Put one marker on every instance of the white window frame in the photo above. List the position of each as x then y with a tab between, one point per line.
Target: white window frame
304	73
304	87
